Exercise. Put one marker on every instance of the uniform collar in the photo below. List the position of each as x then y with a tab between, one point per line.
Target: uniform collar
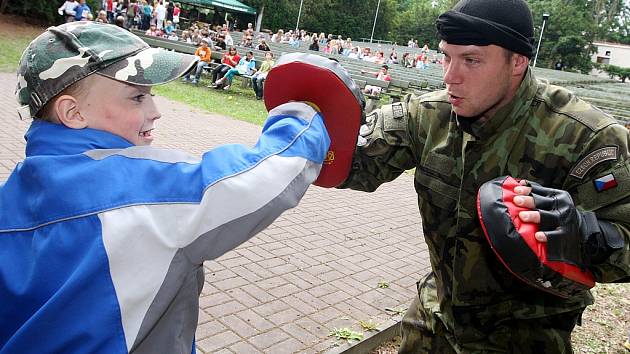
508	115
45	138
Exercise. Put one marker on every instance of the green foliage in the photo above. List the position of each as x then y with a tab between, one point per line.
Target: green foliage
346	333
616	71
41	11
417	21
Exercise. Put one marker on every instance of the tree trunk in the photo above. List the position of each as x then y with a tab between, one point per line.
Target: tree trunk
259	18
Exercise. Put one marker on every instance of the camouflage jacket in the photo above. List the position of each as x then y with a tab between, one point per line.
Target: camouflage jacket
545	134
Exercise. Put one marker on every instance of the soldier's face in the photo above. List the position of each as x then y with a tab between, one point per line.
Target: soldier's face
478	78
119	108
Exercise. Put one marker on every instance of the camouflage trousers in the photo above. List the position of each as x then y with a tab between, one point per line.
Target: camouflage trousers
424	332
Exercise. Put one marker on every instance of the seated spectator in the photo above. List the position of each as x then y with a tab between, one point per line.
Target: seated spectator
205	56
262	45
277	37
172	36
259	77
101	17
245	66
380	75
425	49
321	38
153	31
221	42
354	53
228	61
369	57
294	41
120	21
285	38
186	37
422	62
169	28
379	58
347	46
247	42
393	58
228	39
314	45
196	37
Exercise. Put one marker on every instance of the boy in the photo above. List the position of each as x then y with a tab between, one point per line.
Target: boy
205	56
259	76
102	238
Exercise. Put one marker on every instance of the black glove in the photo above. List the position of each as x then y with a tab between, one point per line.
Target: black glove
573	236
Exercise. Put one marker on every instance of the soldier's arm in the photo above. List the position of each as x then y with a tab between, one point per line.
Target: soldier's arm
384	147
600	182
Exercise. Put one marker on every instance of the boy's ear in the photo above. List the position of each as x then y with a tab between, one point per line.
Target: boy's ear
67	109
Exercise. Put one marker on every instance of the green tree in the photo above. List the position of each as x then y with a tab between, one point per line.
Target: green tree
42	11
567	34
417	21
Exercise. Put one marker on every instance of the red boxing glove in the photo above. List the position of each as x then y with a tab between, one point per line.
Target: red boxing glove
324	83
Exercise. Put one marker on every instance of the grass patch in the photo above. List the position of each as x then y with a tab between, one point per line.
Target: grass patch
12	44
239	103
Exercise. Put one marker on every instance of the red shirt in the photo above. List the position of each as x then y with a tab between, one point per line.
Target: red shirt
233	62
110	5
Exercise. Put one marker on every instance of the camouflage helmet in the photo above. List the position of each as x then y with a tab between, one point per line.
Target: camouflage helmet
68	53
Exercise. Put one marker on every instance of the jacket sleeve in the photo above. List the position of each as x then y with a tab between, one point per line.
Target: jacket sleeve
190	210
603	175
384	150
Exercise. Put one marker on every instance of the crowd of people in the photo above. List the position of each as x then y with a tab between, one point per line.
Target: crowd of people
161	18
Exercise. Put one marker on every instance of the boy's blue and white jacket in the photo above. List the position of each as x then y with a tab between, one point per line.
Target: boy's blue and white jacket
102	243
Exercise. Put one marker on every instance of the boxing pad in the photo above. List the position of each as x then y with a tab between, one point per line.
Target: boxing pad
325	84
513	242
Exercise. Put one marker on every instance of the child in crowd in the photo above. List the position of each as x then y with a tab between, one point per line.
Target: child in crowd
245	66
228	61
102	237
205	56
259	77
380	75
153	31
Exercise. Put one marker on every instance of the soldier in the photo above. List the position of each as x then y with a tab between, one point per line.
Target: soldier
494	119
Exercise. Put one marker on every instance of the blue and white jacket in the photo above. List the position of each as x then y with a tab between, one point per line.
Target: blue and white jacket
102	243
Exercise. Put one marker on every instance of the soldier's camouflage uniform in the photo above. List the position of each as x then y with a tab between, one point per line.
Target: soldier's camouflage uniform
470	302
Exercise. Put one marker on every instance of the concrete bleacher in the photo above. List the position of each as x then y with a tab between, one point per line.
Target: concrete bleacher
611	97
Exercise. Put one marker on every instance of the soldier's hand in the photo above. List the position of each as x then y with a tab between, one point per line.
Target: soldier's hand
524	200
575	236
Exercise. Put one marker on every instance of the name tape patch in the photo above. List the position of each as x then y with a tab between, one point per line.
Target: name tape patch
594	158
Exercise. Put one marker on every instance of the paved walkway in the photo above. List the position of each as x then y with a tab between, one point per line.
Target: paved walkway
316	268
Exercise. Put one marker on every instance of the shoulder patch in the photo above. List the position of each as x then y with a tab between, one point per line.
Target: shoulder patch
592	159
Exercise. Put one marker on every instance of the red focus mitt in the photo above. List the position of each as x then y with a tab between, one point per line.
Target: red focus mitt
327	85
516	247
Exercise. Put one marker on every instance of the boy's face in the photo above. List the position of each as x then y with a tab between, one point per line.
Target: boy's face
119	108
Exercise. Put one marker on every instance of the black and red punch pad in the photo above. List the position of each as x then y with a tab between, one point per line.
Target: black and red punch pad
514	243
324	83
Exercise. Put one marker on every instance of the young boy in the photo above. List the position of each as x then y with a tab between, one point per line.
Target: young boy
259	76
205	57
102	237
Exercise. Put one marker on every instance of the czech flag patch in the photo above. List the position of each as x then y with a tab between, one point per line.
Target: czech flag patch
605	183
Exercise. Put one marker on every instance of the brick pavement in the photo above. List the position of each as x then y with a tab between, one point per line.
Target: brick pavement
317	267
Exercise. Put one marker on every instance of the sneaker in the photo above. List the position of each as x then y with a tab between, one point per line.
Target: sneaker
194	82
227	87
259	98
184	79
